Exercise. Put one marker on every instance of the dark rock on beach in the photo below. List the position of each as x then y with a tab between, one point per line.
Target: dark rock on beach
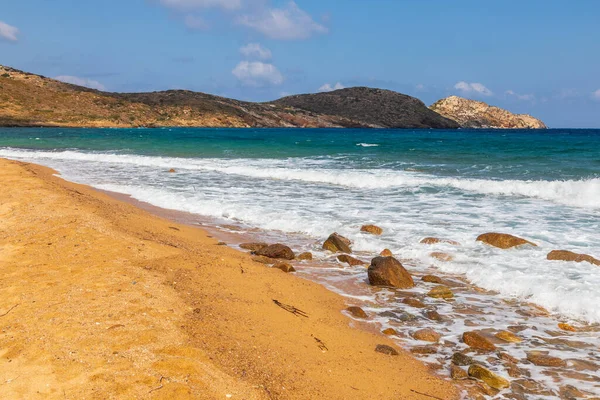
306	256
285	267
337	244
502	240
493	380
385	349
461	359
253	246
357	312
387	271
276	251
345	258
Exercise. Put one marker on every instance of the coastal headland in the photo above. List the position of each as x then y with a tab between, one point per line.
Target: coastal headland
103	300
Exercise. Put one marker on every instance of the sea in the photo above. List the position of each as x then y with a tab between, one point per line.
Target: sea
297	186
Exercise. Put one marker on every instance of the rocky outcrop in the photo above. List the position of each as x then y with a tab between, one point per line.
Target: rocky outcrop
477	114
372	229
337	243
502	240
565	255
377	108
387	271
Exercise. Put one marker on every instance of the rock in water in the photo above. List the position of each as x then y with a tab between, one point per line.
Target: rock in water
461	359
357	312
372	229
276	251
478	341
285	267
253	246
542	359
477	114
495	381
337	244
508	336
565	255
386	253
387	271
433	240
441	292
502	240
432	279
445	257
427	335
457	372
389	331
306	256
345	258
385	349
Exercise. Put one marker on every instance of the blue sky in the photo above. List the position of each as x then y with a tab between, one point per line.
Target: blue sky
537	57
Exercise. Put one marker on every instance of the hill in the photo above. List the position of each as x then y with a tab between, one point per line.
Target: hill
32	100
477	114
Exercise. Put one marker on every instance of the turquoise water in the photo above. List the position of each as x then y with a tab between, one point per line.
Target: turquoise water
299	185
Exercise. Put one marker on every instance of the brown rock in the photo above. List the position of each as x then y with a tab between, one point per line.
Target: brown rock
457	372
571	392
424	350
357	312
495	381
477	341
385	349
432	279
461	359
285	267
433	240
337	244
507	357
542	359
441	292
389	331
387	271
502	240
513	370
433	315
307	256
172	170
445	257
372	229
253	246
345	258
508	337
413	302
565	255
427	335
386	253
567	327
263	260
276	251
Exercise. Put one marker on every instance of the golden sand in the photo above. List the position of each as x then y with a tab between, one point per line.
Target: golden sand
102	300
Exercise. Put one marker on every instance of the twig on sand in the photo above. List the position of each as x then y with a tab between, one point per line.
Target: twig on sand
9	310
320	343
291	309
425	394
158	387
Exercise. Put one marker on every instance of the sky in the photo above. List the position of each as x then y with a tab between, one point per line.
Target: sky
536	57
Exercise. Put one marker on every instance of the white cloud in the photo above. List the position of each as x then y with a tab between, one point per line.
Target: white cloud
89	83
596	95
197	4
8	32
286	23
256	73
328	87
255	50
473	88
526	97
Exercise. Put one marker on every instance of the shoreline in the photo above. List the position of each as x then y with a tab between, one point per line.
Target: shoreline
133	305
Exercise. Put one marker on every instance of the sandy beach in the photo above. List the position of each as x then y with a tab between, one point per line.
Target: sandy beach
103	300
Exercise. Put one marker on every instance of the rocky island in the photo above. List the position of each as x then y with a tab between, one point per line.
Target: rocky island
477	114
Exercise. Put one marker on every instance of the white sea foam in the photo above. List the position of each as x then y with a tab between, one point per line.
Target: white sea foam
367	144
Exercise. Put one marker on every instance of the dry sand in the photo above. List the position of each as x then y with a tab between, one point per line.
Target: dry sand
102	300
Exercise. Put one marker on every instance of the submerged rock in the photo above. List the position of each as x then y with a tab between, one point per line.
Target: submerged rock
337	244
432	279
493	380
285	267
441	292
253	246
508	337
345	258
433	240
385	349
445	257
372	229
503	240
567	327
542	359
424	350
387	271
357	312
565	255
276	251
478	341
307	256
413	302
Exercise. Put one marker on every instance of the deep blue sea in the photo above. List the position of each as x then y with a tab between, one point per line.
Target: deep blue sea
540	185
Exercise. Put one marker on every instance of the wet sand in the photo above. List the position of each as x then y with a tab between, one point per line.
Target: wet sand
103	300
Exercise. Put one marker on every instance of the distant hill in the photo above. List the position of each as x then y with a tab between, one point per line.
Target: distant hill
375	107
477	114
32	100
